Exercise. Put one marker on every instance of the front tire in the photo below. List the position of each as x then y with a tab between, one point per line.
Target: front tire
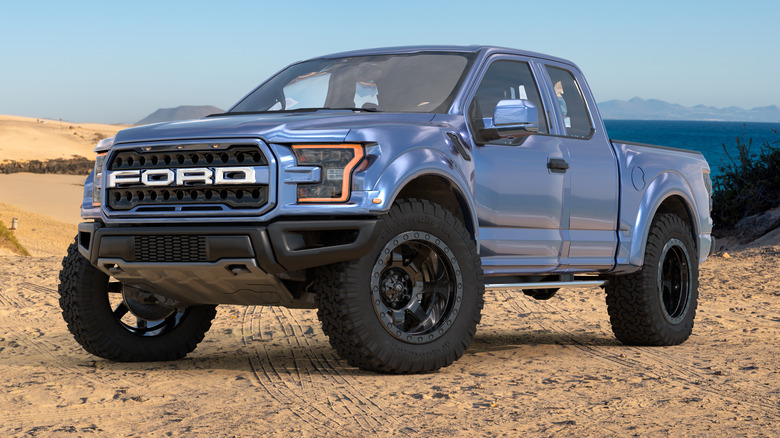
116	327
657	305
413	303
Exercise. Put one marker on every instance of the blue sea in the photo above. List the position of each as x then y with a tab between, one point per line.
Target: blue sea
705	137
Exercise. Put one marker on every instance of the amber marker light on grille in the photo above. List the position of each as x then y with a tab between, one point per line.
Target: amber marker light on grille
337	163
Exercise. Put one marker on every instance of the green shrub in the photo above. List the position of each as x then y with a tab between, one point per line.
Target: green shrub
748	184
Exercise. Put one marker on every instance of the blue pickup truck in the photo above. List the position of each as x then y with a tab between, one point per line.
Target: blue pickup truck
387	188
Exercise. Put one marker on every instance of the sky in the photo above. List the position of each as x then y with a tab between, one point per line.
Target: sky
117	62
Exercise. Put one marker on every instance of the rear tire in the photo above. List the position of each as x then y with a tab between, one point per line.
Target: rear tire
114	331
413	303
657	305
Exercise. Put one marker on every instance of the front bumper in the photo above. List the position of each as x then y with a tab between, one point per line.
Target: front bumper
201	264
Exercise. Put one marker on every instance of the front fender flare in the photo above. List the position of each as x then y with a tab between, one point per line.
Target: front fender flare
424	162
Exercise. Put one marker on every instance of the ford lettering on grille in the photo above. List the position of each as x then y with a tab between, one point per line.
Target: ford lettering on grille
189	176
159	179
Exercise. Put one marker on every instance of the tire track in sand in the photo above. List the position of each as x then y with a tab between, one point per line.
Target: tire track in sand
52	363
654	357
9	294
9	300
271	380
329	362
38	288
305	372
651	360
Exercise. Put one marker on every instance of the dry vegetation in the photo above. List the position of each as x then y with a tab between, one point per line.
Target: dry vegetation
39	234
60	166
8	242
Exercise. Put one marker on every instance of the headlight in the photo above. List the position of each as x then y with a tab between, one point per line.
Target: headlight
104	145
337	163
97	182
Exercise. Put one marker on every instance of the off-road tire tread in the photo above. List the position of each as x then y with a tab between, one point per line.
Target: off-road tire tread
81	286
344	322
634	314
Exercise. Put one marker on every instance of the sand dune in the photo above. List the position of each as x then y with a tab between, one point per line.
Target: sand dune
24	138
57	196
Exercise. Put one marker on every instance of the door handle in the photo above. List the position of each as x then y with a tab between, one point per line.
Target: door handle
557	165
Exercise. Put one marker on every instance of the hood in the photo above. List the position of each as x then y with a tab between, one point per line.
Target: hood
324	126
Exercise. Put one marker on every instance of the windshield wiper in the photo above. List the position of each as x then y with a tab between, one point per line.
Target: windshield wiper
295	110
369	110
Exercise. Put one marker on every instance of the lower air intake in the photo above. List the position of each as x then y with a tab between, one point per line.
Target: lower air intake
166	249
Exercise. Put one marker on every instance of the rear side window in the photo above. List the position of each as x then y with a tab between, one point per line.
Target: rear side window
570	101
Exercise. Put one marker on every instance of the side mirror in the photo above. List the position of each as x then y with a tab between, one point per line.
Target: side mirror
512	118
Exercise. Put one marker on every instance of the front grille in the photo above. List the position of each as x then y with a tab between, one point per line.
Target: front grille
161	249
204	194
232	196
236	155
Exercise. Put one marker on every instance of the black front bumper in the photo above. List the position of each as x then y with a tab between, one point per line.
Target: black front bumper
203	264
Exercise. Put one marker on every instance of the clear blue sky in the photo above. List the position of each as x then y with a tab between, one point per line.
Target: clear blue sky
113	62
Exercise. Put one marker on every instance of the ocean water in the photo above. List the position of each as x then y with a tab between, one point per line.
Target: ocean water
705	137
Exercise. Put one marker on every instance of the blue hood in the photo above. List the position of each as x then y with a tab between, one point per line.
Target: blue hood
324	126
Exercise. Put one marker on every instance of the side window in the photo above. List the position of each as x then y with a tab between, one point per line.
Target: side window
571	103
505	80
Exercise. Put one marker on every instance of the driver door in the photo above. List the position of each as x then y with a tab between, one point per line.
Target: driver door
520	200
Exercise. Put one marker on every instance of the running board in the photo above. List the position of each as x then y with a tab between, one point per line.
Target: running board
545	285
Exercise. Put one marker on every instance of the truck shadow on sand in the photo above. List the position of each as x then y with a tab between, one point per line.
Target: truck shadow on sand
277	359
497	340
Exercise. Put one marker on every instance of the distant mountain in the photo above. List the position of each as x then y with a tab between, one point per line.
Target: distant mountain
652	109
184	112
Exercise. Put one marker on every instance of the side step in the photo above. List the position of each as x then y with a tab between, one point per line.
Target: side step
545	284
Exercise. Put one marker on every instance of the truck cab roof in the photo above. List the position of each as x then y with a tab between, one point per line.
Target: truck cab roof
482	49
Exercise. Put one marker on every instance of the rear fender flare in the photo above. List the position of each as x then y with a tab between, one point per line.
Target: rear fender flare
663	187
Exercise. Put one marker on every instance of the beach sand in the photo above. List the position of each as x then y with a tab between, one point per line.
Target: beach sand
536	368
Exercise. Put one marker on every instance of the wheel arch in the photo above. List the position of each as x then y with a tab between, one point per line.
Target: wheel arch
428	174
668	193
440	190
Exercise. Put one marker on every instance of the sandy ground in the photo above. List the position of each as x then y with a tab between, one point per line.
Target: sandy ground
545	368
24	138
537	368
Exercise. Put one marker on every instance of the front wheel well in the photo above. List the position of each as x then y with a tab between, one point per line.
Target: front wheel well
443	192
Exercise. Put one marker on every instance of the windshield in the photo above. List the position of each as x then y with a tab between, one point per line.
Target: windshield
420	82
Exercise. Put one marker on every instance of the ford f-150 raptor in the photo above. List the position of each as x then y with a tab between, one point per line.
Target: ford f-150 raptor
387	188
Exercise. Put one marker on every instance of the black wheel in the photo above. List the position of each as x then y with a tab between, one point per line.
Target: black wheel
412	304
121	323
657	305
